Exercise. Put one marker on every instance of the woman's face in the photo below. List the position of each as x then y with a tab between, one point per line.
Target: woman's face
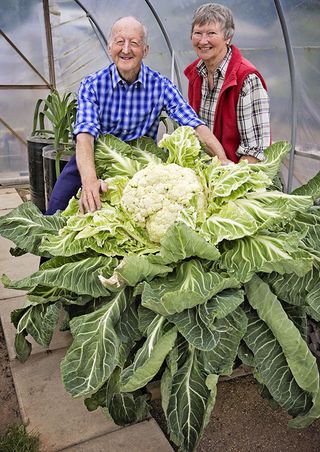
209	42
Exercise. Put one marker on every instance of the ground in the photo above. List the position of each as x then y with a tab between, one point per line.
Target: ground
9	412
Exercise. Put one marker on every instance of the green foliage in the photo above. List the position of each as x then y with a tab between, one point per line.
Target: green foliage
59	110
237	280
16	439
54	117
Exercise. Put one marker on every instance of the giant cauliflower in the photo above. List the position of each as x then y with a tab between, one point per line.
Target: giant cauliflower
157	194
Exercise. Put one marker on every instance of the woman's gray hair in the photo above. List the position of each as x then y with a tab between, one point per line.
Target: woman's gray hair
145	30
214	12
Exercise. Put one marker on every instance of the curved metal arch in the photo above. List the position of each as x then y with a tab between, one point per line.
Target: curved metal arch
168	42
96	28
294	111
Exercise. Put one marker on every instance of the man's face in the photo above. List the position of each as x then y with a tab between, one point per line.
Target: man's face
209	43
127	47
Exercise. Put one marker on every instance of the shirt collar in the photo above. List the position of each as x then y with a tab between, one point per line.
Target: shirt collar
221	69
116	78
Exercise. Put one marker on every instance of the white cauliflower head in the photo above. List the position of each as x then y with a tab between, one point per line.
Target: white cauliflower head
157	194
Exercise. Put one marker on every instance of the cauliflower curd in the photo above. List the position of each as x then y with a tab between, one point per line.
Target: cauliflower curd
156	195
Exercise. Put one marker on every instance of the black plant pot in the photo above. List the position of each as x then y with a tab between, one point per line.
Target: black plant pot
36	174
50	158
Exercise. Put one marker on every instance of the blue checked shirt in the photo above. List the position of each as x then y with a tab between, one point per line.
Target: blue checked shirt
107	104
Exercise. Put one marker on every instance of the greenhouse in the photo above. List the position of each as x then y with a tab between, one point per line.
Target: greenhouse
174	302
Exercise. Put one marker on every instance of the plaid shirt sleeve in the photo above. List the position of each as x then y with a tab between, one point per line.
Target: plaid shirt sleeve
178	108
87	119
253	116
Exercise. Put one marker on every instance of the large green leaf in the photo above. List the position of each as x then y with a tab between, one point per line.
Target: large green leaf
298	356
311	223
128	408
40	321
22	347
257	211
221	359
223	180
26	226
44	294
112	158
133	269
78	276
190	402
264	253
148	359
274	155
311	188
123	408
294	290
94	352
183	146
271	365
107	231
198	324
146	151
189	286
181	242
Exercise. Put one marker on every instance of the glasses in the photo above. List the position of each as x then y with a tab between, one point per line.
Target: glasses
121	43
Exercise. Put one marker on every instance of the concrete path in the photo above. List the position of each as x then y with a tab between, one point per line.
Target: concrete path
63	423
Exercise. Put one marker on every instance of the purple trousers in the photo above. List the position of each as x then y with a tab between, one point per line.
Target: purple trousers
67	185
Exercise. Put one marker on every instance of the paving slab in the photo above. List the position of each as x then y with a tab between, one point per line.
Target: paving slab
143	437
7	190
15	267
48	409
9	200
4	212
60	339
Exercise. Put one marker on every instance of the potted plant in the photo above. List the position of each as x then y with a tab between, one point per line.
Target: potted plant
53	122
40	137
60	111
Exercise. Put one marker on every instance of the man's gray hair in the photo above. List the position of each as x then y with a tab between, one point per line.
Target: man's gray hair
214	12
144	28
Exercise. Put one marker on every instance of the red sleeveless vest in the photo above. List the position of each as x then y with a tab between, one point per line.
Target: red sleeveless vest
225	121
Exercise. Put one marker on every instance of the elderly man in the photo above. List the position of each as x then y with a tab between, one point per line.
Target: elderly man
124	99
225	89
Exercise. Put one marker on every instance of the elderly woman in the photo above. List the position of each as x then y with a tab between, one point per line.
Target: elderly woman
225	89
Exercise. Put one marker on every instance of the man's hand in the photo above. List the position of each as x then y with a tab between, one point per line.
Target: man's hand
90	196
91	185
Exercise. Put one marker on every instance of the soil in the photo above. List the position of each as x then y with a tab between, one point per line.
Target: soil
9	407
243	421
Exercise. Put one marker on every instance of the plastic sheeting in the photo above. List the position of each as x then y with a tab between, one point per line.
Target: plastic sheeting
79	50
